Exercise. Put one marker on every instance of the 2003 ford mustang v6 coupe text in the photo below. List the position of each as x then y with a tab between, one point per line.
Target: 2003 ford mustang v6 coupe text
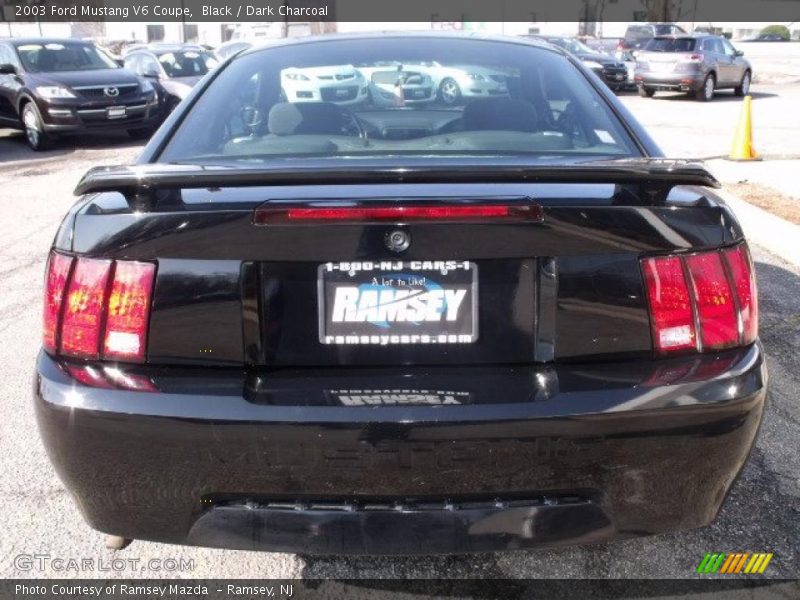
393	329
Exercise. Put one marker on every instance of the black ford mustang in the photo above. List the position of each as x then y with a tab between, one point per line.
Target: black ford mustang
331	328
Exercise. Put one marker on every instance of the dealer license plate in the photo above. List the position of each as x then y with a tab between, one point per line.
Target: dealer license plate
381	303
117	112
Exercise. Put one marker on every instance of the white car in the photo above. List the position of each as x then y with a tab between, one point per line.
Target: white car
341	84
455	82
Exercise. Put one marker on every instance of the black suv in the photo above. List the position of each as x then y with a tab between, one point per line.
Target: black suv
612	71
54	86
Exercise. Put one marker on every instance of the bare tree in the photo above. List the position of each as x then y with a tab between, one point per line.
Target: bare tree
668	10
593	12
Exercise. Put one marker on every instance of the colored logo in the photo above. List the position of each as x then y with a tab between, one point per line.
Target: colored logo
734	563
401	298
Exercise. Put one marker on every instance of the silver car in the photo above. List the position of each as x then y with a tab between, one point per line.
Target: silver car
699	65
456	83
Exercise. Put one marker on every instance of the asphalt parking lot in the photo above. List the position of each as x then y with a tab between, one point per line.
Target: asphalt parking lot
37	515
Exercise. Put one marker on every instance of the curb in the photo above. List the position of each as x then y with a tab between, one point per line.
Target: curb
764	229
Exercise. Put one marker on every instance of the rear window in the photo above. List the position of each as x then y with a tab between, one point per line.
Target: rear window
667	29
383	98
671	45
187	63
638	32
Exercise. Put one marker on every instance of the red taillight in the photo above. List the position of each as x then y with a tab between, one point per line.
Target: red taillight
128	311
744	283
58	267
97	308
693	58
83	311
714	299
670	304
400	214
715	289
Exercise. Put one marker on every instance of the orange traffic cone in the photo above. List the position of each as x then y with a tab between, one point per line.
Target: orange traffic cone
742	148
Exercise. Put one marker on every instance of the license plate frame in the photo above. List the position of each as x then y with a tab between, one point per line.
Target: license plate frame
402	290
116	112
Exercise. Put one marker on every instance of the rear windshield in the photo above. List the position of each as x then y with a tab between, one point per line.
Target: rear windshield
671	45
570	45
381	98
638	32
55	57
187	63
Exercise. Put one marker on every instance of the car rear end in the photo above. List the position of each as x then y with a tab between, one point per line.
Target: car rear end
671	63
459	354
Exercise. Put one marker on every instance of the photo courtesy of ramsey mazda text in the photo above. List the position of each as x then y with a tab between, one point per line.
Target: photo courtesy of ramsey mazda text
378	293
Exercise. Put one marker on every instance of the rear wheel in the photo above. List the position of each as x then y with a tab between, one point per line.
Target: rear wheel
35	134
646	92
744	87
706	93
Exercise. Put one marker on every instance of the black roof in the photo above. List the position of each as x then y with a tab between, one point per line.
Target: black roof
382	35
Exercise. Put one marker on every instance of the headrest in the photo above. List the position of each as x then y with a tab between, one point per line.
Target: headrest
288	118
507	114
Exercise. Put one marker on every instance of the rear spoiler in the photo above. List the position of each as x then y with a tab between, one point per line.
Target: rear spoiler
655	177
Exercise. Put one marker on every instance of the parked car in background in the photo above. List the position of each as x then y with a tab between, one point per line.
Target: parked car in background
395	84
340	84
612	71
604	45
336	329
767	37
174	69
456	83
229	48
50	87
696	64
638	34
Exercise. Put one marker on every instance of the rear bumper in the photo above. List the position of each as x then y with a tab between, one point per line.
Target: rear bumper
689	81
403	461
